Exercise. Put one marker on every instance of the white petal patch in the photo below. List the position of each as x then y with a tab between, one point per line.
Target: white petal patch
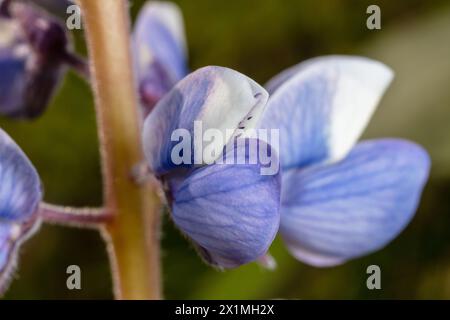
360	84
209	98
322	106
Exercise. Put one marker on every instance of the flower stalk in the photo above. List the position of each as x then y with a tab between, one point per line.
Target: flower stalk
133	234
83	217
77	63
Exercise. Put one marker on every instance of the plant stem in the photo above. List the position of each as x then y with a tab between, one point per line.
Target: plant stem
84	217
77	63
133	234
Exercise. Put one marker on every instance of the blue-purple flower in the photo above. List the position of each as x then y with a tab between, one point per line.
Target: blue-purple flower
160	52
20	195
32	51
340	199
228	208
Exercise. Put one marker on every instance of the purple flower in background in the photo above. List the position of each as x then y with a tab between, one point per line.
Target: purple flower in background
160	51
340	200
20	195
57	7
32	51
229	210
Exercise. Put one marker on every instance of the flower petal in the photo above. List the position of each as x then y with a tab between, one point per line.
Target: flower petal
214	98
322	106
230	211
333	213
8	252
12	235
20	186
160	50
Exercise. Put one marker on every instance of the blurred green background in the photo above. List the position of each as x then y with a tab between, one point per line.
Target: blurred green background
261	38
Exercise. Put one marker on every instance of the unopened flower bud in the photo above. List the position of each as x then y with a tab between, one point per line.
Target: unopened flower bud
33	48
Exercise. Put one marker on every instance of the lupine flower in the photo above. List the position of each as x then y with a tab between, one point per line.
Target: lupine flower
321	107
229	210
340	200
32	51
20	195
160	52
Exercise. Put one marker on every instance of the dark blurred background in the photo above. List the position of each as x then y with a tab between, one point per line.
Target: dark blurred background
261	38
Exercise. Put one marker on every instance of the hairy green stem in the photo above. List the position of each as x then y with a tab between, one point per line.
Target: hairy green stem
133	234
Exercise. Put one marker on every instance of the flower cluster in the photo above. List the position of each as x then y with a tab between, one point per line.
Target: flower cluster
332	199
